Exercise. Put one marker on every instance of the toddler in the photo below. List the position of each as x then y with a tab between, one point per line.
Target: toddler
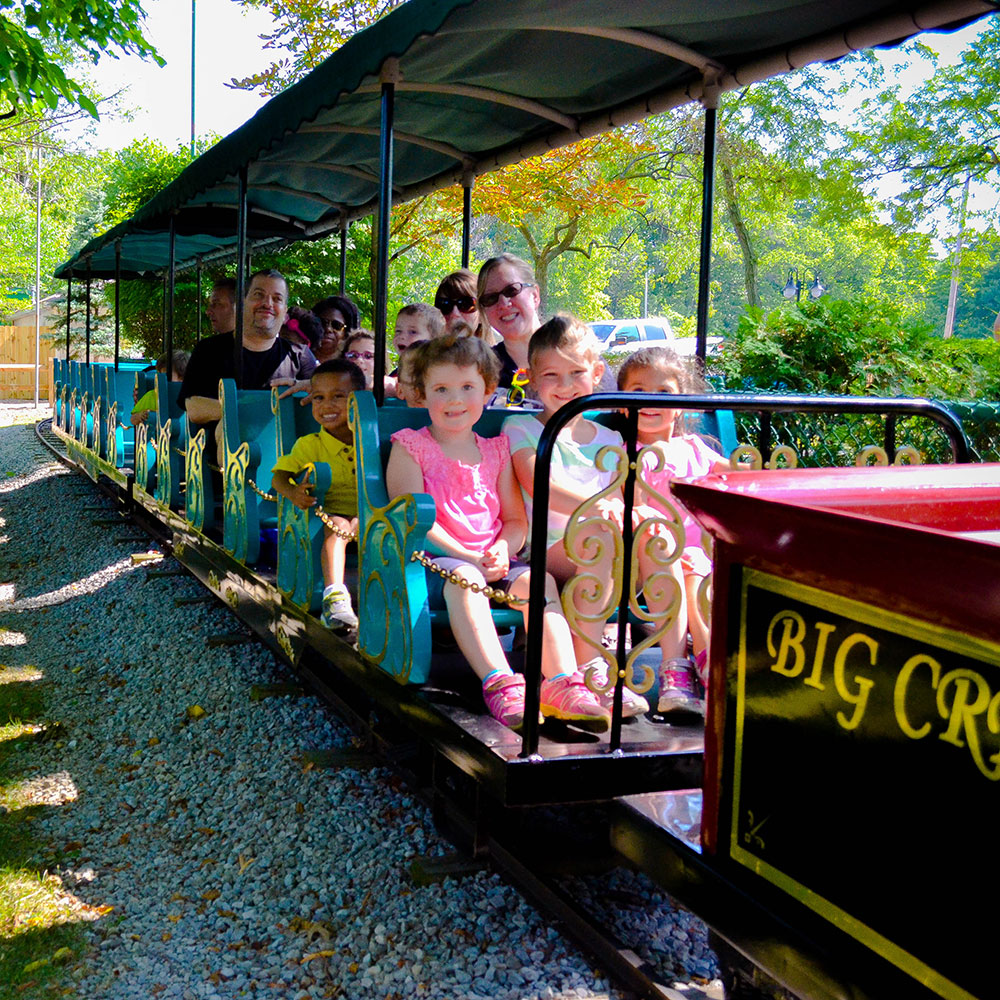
479	528
672	453
564	363
415	324
329	390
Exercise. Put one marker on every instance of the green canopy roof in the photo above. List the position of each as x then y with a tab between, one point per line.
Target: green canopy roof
480	84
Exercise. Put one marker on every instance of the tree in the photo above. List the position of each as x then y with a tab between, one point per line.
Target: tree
38	38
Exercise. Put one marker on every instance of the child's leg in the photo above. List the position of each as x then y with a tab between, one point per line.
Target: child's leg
557	641
332	555
591	599
696	621
472	624
663	588
338	613
563	693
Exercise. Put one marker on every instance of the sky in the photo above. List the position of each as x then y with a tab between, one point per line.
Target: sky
227	45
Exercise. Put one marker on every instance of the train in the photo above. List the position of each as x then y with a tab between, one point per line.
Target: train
852	667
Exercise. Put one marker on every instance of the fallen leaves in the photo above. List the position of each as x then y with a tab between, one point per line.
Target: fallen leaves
195	712
244	862
211	894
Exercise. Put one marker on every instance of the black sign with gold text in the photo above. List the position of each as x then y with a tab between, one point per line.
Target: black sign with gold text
866	775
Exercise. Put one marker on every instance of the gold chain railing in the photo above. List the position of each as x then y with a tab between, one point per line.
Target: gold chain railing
501	596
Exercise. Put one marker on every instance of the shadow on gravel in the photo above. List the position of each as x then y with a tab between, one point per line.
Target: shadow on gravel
38	918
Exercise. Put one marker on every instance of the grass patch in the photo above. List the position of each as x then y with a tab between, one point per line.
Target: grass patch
40	931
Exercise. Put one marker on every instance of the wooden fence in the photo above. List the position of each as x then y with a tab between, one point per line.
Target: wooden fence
17	363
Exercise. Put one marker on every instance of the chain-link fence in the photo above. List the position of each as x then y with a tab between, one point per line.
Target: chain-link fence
828	439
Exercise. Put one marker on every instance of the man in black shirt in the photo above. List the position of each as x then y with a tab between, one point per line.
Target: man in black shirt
267	358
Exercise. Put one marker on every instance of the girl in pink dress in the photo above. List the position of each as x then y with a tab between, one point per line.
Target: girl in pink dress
479	529
672	453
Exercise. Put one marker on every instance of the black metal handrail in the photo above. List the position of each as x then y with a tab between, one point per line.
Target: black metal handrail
631	403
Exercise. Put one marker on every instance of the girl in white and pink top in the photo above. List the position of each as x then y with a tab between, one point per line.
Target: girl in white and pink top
673	454
480	527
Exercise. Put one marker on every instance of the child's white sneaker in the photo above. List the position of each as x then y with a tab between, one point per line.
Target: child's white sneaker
338	614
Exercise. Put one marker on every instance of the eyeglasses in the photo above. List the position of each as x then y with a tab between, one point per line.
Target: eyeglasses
511	291
358	355
463	303
333	324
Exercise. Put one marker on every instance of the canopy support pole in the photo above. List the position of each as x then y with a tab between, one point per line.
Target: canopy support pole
172	279
241	274
197	298
87	322
118	286
711	102
390	75
69	309
467	182
343	258
163	313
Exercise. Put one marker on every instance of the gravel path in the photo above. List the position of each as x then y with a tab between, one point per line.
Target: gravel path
221	863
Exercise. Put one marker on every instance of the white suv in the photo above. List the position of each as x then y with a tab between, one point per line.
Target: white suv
615	333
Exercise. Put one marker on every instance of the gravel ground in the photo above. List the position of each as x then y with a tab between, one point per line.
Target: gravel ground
220	862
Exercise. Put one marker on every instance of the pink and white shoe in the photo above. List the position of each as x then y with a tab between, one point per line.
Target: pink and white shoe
504	698
568	698
632	704
678	700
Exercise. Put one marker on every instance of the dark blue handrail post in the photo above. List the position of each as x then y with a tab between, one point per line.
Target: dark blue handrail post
711	102
197	298
171	282
118	313
628	545
343	257
390	76
241	274
467	182
69	310
87	321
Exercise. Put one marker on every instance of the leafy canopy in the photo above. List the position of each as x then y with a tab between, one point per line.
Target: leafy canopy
32	30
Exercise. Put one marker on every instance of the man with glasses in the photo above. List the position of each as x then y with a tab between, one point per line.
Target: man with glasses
268	359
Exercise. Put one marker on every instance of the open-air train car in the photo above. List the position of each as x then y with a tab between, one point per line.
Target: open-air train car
435	94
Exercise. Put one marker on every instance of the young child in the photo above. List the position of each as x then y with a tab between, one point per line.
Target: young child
360	348
659	370
416	324
564	363
329	390
480	527
147	402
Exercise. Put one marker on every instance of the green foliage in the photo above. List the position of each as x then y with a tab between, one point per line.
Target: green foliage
856	347
31	31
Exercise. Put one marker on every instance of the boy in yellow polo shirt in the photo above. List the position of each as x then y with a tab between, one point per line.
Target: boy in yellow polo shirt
329	389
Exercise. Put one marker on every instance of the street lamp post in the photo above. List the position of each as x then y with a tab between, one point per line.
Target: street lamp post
793	287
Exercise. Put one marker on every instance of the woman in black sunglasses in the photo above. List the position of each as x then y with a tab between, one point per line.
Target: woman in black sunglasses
509	303
339	316
456	298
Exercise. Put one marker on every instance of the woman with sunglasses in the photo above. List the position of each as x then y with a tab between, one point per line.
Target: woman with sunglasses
456	299
509	304
339	316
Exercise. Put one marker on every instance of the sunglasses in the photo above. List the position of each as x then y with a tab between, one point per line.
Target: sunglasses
358	355
511	291
335	325
463	303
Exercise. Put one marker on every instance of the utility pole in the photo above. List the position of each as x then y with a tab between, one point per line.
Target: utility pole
38	272
192	73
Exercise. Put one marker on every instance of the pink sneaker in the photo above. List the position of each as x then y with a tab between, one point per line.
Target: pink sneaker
632	704
504	698
678	700
568	698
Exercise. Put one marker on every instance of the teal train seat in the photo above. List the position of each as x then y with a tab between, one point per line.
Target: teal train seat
395	621
249	453
300	532
171	439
